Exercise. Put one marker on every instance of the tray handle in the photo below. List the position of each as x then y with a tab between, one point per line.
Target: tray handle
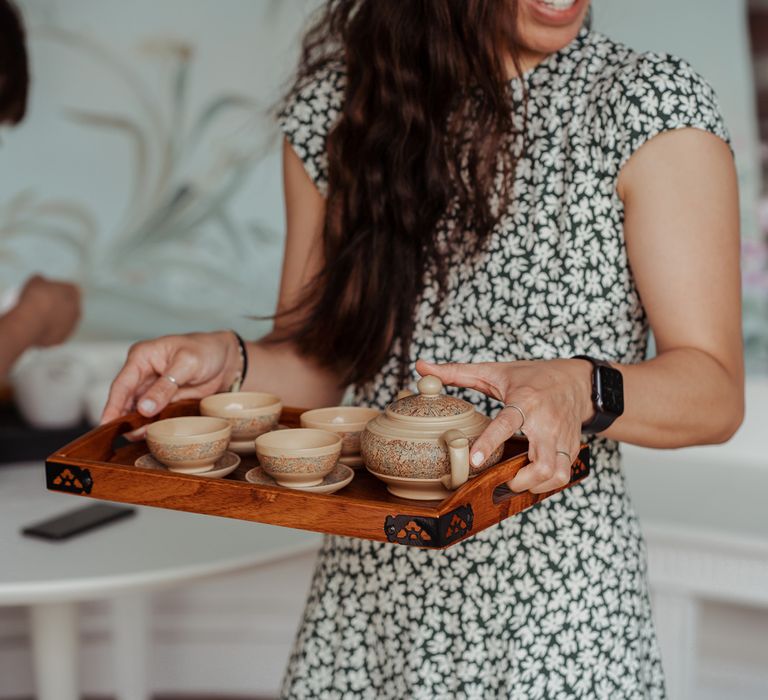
102	442
481	490
487	481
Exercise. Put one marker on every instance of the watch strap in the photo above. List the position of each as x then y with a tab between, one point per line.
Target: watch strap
243	351
601	420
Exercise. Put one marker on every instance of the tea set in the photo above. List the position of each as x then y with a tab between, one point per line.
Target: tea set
419	446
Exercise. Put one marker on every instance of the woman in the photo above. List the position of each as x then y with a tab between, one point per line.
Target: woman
494	189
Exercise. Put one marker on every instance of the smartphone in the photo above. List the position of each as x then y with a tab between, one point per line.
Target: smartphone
79	520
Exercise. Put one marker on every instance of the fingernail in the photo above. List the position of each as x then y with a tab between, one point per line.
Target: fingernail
147	406
478	458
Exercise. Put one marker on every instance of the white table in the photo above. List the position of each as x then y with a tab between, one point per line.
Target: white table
121	562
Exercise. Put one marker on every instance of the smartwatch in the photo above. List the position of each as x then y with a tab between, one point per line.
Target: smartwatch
607	395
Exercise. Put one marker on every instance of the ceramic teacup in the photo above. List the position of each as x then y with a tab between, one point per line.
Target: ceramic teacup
347	421
250	413
298	457
189	444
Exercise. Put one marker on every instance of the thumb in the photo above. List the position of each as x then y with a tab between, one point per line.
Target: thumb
496	433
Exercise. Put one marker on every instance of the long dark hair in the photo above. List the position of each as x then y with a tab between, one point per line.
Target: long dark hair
14	67
425	127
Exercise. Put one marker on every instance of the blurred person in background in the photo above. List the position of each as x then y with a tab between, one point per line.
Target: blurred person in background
44	312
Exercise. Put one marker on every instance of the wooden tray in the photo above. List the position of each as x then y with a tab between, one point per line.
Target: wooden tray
100	465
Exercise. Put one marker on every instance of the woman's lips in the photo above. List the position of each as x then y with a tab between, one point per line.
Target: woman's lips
556	12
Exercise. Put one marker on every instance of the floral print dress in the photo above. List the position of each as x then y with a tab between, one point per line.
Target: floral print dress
552	603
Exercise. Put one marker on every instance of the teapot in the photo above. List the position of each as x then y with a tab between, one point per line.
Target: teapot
419	447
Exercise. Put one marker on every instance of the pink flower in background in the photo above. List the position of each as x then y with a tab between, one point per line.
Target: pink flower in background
754	256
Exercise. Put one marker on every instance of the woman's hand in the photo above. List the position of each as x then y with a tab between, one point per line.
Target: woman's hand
554	396
50	310
173	367
45	314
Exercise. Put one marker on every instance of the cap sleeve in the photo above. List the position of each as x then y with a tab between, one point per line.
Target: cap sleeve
655	93
307	117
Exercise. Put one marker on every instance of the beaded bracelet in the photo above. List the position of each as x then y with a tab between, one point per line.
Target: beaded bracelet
240	378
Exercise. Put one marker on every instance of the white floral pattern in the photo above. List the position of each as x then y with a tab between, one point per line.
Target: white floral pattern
552	603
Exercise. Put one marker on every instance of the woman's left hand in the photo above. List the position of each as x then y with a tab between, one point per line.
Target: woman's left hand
553	395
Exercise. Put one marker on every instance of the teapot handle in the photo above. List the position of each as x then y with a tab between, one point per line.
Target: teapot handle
458	451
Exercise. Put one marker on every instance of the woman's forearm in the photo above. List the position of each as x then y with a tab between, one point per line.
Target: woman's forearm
681	227
680	398
298	381
17	333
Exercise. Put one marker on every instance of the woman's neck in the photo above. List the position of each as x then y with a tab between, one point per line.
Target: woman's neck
527	61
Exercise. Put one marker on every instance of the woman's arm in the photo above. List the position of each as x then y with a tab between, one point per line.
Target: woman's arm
682	236
279	368
46	313
205	363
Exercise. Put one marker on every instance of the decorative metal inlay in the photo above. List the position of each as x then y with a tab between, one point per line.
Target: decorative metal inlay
421	531
62	477
580	468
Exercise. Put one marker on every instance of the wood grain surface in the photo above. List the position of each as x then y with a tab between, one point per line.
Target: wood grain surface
100	465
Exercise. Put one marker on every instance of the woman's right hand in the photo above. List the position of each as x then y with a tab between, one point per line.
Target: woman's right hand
200	363
49	307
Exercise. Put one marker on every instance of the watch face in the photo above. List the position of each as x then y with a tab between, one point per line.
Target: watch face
610	390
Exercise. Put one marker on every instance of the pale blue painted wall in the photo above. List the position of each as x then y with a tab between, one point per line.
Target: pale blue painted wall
66	179
713	36
76	202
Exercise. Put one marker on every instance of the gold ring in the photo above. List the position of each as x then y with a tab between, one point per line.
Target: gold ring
563	452
519	410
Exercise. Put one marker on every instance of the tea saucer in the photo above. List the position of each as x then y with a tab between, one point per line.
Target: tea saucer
337	479
225	464
414	489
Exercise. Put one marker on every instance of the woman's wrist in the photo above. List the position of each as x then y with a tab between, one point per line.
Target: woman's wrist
18	332
242	351
25	324
581	373
235	362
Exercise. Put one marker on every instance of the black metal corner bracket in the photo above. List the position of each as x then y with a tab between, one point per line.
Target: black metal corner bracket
66	478
421	531
581	467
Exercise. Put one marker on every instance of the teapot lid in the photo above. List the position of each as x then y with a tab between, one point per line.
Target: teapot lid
430	402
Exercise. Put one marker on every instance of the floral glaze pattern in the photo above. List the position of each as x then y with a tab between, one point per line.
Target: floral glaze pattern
298	465
435	407
250	428
194	451
350	442
413	459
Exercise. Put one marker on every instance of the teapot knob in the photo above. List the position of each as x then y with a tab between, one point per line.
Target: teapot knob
430	385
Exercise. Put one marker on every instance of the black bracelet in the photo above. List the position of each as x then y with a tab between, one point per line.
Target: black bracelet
244	360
